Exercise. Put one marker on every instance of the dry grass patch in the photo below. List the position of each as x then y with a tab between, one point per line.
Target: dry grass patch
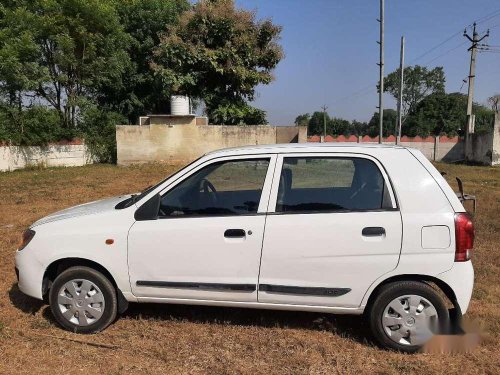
150	339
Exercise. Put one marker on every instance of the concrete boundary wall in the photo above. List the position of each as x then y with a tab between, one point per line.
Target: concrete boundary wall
434	148
485	147
181	143
68	154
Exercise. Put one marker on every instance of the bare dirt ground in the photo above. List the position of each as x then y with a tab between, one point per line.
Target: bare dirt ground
150	339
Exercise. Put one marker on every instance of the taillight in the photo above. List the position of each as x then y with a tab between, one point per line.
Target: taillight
464	237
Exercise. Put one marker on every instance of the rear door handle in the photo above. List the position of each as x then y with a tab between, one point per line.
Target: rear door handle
373	231
234	233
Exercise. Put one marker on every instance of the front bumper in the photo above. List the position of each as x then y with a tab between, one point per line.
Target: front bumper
461	280
29	273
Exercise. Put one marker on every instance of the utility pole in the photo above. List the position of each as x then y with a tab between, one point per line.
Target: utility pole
401	85
469	129
324	108
381	66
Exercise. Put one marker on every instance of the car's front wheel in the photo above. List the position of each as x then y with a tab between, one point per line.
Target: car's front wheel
406	314
83	300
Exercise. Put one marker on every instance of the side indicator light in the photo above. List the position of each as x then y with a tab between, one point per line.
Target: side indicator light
110	241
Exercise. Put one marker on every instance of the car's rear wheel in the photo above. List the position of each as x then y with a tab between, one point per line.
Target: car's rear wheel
83	300
406	314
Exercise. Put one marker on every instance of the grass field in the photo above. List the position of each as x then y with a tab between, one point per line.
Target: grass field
150	339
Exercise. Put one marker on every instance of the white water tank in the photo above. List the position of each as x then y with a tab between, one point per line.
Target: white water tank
179	105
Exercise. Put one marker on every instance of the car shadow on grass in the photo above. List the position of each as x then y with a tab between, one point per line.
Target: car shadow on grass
21	301
349	326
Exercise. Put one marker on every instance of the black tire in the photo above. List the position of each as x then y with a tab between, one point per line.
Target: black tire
391	291
106	288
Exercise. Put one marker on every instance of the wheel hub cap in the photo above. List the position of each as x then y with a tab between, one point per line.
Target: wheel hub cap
81	302
410	320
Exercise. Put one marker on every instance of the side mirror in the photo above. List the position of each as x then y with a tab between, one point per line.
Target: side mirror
149	210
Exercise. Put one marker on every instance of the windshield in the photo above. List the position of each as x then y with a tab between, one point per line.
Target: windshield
134	198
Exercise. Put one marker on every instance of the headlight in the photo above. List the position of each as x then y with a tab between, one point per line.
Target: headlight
27	237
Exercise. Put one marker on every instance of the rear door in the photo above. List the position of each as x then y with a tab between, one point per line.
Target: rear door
332	229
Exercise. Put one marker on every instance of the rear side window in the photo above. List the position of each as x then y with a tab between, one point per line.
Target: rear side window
316	184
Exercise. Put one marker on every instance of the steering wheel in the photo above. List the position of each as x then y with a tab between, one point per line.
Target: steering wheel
207	188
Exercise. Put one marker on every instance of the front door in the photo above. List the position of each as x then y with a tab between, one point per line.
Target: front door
206	243
335	229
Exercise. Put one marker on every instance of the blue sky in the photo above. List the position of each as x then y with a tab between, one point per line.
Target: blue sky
331	51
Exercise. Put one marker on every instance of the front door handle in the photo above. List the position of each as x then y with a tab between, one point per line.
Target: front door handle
373	231
234	233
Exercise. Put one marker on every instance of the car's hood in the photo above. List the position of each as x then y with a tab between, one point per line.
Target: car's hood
82	209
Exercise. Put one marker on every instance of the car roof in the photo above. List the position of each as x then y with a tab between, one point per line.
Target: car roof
302	147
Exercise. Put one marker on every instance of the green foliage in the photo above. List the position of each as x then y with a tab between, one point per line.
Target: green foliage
98	127
334	126
445	114
140	91
388	123
238	113
37	125
219	54
60	51
302	120
418	83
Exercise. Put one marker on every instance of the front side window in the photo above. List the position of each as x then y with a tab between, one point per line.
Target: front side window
223	188
316	184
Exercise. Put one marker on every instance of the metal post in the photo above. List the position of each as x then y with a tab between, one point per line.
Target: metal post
381	66
401	86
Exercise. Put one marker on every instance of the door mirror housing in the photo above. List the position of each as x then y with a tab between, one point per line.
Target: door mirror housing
149	210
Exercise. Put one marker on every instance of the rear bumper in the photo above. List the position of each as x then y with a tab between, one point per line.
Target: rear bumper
461	279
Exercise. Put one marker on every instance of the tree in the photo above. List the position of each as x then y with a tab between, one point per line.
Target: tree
302	120
388	123
315	124
141	92
418	83
359	128
236	113
219	54
60	51
445	114
494	101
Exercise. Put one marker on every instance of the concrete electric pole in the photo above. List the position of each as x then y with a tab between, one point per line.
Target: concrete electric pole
381	66
324	108
475	39
401	86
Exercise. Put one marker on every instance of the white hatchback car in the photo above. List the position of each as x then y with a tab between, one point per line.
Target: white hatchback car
347	229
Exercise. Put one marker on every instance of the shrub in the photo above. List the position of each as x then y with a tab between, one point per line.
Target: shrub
98	128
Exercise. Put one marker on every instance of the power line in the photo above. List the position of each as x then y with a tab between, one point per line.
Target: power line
445	53
484	18
367	89
436	46
492	15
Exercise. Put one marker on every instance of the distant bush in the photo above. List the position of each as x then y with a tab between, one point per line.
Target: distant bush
98	127
37	125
